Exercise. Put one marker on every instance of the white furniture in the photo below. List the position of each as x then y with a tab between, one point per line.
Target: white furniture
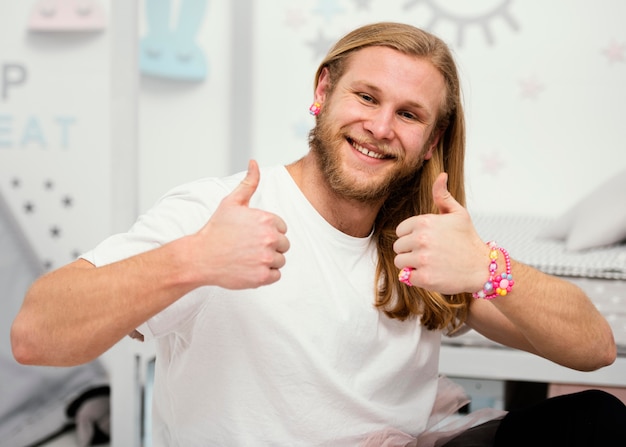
483	362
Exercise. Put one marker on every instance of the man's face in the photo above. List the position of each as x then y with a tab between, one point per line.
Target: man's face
375	126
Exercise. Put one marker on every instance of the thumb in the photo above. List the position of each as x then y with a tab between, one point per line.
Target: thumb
243	192
442	197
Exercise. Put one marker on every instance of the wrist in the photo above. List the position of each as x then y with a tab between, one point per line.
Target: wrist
498	283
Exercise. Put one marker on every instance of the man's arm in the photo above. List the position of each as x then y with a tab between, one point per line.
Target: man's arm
74	314
548	316
542	314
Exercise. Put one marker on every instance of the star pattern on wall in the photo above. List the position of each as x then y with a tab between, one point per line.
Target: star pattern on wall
615	52
295	18
27	198
67	201
531	87
301	128
320	45
492	163
327	9
362	5
55	231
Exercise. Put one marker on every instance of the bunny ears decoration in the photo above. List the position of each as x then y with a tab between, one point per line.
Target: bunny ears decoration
173	53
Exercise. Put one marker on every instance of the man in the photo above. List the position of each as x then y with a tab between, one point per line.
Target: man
275	300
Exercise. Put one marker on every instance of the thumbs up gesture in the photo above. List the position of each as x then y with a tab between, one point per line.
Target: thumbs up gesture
241	247
444	249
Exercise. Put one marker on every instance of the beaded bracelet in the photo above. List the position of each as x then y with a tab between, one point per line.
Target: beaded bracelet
496	285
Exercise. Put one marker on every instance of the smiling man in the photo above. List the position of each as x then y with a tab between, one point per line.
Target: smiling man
385	107
305	304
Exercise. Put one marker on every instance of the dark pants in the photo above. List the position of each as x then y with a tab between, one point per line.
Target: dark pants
585	419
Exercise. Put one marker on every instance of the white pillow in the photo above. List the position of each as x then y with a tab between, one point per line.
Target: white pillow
599	219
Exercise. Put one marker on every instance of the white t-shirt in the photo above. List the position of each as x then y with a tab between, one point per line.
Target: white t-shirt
306	361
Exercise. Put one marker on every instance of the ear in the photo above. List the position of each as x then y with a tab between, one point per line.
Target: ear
433	144
323	85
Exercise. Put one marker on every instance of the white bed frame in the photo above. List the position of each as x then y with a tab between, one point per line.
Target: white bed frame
478	362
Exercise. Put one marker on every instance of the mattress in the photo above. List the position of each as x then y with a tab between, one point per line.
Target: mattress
521	236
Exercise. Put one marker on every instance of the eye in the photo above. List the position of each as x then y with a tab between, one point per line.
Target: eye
365	97
408	115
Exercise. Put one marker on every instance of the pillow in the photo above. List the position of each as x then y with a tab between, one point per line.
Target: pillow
599	219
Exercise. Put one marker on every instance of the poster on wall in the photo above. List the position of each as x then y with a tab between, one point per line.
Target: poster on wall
55	170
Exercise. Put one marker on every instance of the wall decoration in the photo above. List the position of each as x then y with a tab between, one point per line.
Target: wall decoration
295	18
168	51
531	87
45	221
476	14
55	92
615	51
67	15
327	9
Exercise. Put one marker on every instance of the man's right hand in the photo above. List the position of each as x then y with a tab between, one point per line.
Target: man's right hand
242	247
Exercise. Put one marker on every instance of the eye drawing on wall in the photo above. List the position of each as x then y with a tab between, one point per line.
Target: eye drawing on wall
464	14
67	15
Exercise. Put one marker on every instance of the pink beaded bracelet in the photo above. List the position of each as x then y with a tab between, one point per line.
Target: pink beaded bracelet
496	285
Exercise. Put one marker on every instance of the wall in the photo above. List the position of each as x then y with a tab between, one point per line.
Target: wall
543	86
55	130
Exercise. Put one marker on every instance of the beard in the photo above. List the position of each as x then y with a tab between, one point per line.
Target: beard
326	143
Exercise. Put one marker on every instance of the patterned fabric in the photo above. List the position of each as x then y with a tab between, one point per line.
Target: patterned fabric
520	236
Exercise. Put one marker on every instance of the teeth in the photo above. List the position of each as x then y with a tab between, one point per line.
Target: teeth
367	152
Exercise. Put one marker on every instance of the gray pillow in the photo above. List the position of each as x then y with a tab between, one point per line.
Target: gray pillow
599	219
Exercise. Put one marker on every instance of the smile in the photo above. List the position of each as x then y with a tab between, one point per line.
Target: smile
366	151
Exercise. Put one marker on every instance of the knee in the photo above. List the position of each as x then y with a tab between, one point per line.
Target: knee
603	404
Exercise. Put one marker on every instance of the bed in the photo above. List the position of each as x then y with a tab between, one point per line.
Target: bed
599	271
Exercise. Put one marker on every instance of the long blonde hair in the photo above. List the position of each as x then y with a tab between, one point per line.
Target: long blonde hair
414	195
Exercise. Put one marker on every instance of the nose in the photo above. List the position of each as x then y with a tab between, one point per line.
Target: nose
380	124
